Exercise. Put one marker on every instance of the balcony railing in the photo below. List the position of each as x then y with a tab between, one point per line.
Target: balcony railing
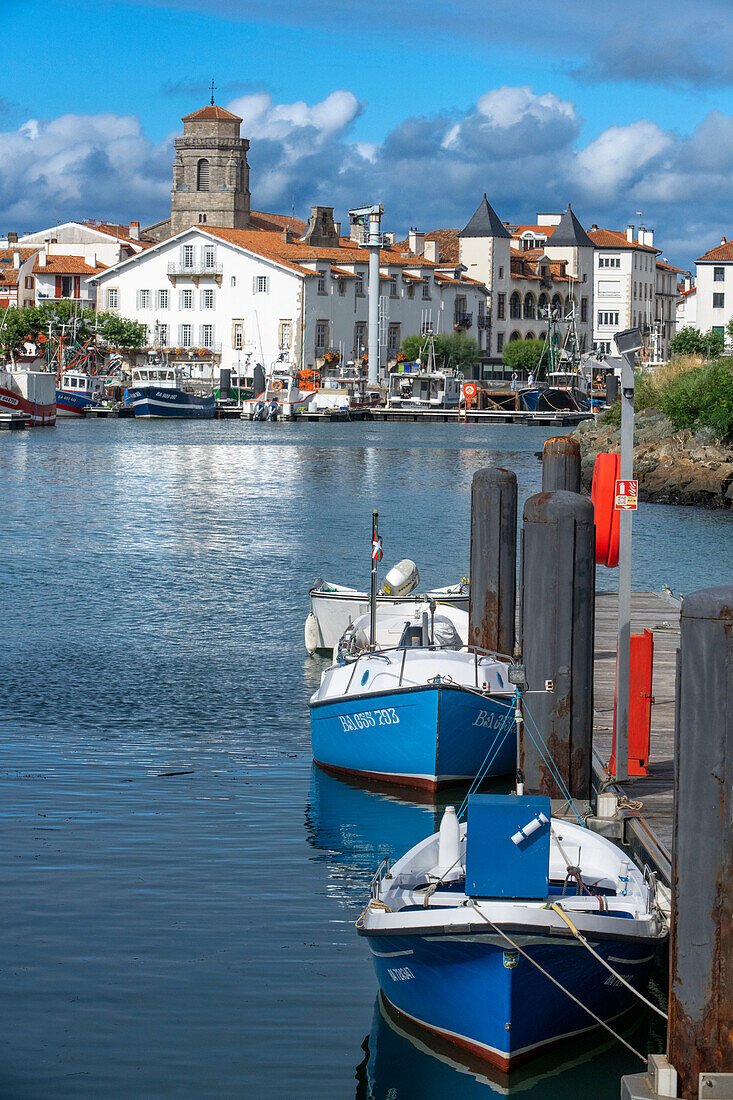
196	352
178	267
482	321
462	320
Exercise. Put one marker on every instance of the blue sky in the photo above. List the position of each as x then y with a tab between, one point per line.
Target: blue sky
421	104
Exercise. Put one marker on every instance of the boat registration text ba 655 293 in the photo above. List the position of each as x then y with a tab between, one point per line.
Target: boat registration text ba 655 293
387	716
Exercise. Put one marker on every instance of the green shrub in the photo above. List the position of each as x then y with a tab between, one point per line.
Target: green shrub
702	397
455	349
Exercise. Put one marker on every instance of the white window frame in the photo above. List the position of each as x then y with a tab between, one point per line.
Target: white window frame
206	336
260	284
188	257
163	299
185	336
113	298
207	298
186	297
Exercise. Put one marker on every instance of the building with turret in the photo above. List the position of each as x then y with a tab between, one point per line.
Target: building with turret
210	175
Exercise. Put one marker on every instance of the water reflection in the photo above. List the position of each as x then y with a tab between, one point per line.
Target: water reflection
403	1062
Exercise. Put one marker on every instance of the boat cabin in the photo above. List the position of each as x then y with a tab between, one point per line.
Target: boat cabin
424	389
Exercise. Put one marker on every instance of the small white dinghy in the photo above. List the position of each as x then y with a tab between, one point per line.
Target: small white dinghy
334	607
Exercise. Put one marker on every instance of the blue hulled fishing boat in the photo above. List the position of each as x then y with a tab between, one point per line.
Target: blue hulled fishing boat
158	390
512	933
420	716
424	712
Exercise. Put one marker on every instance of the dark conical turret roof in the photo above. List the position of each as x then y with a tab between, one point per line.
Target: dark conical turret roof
569	231
485	223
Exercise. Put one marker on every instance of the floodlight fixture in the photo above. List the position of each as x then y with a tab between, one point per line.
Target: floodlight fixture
629	341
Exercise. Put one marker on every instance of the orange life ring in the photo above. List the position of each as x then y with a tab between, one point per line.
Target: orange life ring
469	389
603	494
276	385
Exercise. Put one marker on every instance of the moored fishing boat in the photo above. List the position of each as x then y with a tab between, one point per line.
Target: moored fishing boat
417	715
158	390
77	391
513	932
31	394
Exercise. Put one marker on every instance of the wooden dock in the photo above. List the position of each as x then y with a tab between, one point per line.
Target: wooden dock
561	418
652	830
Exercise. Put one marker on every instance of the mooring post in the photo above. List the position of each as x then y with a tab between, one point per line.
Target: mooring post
700	1033
561	465
557	614
493	594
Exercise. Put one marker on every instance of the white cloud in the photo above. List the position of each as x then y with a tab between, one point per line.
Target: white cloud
524	149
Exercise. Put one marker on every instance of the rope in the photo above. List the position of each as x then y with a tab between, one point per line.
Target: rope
581	939
625	803
488	759
559	985
374	903
545	754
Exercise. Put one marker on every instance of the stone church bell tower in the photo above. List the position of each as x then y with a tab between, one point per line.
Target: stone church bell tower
210	172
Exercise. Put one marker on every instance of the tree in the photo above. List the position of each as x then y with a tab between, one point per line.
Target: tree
119	332
523	356
456	350
713	344
729	327
688	341
19	327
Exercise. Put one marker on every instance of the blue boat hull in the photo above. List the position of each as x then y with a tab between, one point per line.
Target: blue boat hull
73	404
475	992
428	736
149	401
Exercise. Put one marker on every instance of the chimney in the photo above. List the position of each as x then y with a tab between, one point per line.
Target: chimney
416	242
390	238
723	240
321	231
42	258
16	258
629	233
432	252
93	260
337	227
688	282
594	228
134	231
12	237
288	235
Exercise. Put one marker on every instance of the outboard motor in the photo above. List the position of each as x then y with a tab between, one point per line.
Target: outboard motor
258	412
272	410
402	579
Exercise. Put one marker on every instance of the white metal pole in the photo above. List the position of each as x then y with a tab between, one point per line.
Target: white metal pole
374	242
623	661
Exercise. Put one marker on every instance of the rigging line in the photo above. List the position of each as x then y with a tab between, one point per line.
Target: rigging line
559	985
581	939
545	754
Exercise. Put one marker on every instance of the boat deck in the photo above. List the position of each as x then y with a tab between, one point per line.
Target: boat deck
661	614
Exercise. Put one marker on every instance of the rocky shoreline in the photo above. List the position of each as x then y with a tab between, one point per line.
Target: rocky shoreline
672	467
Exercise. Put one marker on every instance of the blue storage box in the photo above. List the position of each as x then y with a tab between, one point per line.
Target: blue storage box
498	866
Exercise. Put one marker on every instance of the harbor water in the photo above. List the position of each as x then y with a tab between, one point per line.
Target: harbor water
178	884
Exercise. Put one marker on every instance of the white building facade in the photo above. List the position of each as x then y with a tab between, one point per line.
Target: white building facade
230	298
625	280
714	289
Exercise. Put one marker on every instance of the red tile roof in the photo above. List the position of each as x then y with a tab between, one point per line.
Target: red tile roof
119	232
609	238
721	253
258	219
295	254
210	111
66	265
539	230
668	267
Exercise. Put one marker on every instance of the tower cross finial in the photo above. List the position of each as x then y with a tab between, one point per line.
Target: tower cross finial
212	92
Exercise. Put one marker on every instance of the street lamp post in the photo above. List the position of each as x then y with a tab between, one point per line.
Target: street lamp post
628	343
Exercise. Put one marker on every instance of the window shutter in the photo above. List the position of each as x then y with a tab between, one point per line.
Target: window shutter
254	284
267	285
